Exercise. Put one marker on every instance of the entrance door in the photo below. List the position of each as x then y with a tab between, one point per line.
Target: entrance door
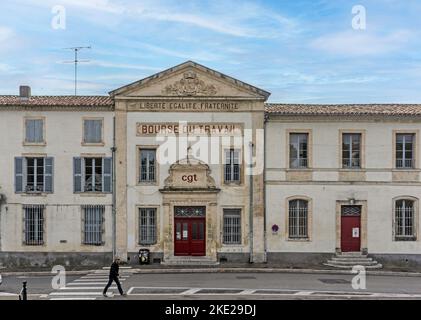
351	228
189	231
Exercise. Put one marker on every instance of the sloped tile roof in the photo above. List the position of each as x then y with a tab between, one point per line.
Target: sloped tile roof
65	101
344	109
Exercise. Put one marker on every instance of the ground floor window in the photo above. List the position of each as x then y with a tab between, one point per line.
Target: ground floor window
93	222
404	220
232	226
34	225
147	226
298	219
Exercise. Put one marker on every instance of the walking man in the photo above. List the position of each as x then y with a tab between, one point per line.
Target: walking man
114	277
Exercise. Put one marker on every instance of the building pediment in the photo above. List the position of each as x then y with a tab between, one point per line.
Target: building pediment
189	175
190	80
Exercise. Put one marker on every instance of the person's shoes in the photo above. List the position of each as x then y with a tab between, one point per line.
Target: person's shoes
124	295
105	295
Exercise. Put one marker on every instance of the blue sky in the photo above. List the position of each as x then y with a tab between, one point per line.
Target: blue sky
301	51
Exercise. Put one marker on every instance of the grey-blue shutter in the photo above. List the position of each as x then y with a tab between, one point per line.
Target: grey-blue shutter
97	131
107	164
29	130
39	132
19	174
48	174
77	175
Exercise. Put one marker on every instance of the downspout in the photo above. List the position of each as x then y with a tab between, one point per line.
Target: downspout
114	209
265	258
251	203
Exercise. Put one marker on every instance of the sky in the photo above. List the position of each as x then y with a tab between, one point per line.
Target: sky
302	51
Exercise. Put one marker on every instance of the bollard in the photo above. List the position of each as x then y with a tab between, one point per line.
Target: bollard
23	292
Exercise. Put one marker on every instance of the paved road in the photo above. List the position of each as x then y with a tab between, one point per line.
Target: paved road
216	286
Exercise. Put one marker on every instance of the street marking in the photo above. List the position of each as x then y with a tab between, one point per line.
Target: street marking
86	283
303	293
75	293
78	298
85	288
248	291
190	291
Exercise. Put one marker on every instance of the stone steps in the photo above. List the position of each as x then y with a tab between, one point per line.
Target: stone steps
348	260
190	261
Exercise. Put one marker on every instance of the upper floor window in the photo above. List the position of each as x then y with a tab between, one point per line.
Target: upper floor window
298	150
92	175
405	156
232	167
34	131
351	150
298	219
147	165
92	131
405	220
34	174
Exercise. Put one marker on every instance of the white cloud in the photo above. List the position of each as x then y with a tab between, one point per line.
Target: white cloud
360	43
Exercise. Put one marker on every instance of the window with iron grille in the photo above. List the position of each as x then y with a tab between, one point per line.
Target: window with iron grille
34	130
92	131
405	220
232	166
147	226
34	174
33	225
232	226
93	224
405	151
298	219
351	150
147	165
298	150
92	175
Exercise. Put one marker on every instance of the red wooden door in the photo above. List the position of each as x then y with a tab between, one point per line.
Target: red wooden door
351	229
189	236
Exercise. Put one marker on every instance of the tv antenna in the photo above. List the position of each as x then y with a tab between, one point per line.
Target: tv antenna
76	61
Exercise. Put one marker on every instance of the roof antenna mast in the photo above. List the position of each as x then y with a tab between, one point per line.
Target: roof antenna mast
76	61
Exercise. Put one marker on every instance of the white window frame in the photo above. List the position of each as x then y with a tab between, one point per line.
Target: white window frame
232	232
34	218
303	162
404	159
149	172
296	227
147	226
232	161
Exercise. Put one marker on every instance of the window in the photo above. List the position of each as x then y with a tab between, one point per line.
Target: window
298	150
232	166
33	225
92	131
92	175
34	175
404	220
405	151
232	226
93	221
34	130
351	150
147	226
298	219
147	165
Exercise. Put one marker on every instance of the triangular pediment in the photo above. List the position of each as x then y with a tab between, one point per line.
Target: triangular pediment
190	79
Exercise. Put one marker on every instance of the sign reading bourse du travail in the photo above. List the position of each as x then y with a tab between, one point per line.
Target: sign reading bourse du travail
213	129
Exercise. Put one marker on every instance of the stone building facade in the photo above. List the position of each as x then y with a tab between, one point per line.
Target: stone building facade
196	167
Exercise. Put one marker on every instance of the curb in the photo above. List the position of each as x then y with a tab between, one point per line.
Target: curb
222	270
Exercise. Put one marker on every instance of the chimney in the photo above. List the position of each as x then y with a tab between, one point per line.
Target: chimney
24	92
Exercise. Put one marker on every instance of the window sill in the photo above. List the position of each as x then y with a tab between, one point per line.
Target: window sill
34	194
409	239
233	184
93	144
34	144
352	169
299	240
93	194
298	169
406	170
147	184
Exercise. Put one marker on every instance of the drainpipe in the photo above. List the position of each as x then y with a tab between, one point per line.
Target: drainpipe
114	209
265	258
251	260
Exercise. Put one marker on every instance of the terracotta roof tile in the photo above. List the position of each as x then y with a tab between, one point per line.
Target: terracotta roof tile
65	101
344	109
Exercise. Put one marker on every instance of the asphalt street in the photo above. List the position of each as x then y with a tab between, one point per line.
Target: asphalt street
214	286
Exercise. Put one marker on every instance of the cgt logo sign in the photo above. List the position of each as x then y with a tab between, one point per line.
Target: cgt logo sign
189	178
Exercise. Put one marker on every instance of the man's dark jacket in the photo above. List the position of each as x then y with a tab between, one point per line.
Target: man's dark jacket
114	270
